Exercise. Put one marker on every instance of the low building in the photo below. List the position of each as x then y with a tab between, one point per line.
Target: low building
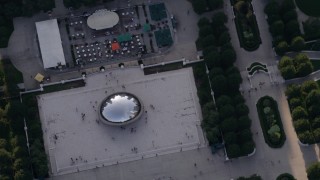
50	44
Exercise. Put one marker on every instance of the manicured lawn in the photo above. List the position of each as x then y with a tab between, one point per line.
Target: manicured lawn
309	7
316	64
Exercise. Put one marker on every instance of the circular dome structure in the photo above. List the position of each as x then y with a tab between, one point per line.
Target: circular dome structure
102	19
120	109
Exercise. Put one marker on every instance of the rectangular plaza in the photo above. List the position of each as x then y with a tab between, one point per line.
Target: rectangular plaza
76	140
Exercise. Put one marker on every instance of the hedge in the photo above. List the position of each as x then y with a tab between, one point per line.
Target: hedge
263	121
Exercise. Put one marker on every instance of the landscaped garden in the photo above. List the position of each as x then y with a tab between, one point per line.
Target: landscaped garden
227	117
284	26
270	122
304	103
246	24
299	66
309	7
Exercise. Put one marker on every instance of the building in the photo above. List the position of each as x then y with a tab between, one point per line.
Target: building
50	44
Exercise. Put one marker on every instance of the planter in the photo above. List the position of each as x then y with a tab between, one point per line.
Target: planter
270	119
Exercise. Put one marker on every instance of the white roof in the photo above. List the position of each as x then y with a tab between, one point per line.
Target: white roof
50	43
102	19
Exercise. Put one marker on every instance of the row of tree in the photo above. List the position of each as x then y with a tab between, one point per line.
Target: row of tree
201	6
14	158
299	66
304	102
228	118
76	4
15	8
284	26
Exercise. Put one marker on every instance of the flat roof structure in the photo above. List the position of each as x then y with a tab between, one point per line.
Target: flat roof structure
102	19
50	43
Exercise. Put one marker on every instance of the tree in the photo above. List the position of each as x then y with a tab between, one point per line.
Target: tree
299	113
245	136
224	38
233	150
19	164
316	123
290	15
228	57
199	6
242	109
313	171
308	86
297	44
247	148
288	72
294	102
218	19
244	122
287	5
219	84
292	29
313	98
228	124
271	8
226	111
285	61
306	137
5	158
223	101
301	125
293	90
22	175
207	41
316	134
277	28
304	69
230	138
213	59
39	159
282	48
203	22
213	135
234	81
215	4
205	31
311	28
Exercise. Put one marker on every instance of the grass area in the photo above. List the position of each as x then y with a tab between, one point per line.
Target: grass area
309	7
270	122
160	68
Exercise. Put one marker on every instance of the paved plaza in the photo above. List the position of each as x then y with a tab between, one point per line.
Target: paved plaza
76	140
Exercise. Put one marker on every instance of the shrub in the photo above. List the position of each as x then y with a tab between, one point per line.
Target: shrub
297	44
299	113
306	137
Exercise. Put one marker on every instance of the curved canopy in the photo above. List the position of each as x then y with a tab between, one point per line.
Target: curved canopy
102	19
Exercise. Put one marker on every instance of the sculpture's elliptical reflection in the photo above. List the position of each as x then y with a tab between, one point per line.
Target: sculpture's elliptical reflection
120	109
